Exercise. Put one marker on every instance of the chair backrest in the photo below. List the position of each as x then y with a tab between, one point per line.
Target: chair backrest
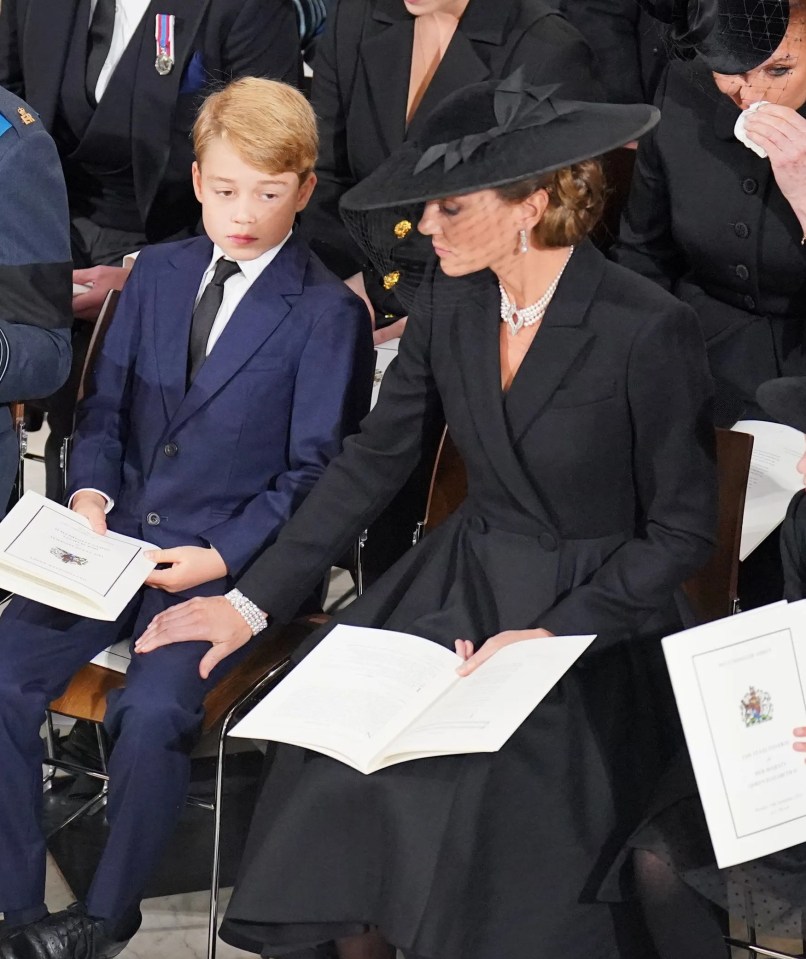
713	592
97	339
448	487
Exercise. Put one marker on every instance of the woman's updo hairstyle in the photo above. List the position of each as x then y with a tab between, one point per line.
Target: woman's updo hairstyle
576	202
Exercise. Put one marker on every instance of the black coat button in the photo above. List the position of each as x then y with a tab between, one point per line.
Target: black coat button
170	449
742	272
749	303
749	186
153	519
742	230
548	542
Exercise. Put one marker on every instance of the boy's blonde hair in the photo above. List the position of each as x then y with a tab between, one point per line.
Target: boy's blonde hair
269	124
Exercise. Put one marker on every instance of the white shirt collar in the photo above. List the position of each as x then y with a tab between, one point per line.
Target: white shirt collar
251	269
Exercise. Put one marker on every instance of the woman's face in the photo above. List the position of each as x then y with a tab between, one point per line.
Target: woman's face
453	7
781	79
473	232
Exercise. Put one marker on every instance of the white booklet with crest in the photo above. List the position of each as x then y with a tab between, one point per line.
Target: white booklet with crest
740	686
372	698
50	554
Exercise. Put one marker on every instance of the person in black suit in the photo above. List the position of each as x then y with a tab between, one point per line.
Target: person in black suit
122	126
630	46
591	499
381	69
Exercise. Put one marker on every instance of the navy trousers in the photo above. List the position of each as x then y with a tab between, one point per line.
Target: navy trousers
154	723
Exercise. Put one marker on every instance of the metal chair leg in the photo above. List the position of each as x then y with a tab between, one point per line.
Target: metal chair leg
758	950
90	806
50	750
359	563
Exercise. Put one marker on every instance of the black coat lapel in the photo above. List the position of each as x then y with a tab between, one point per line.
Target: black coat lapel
46	38
475	333
386	58
155	95
460	67
558	343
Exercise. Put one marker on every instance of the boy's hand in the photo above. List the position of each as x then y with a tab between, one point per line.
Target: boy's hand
190	566
91	505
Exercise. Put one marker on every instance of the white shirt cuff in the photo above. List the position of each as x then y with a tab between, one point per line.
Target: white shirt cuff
90	489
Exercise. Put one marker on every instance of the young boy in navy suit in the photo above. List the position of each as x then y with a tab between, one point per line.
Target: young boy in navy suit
231	372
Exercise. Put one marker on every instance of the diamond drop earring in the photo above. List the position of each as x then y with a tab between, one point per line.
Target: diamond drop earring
523	245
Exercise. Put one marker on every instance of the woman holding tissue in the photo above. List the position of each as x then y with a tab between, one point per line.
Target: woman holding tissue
718	222
577	394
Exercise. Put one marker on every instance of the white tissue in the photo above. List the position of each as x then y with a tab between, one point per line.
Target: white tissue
739	130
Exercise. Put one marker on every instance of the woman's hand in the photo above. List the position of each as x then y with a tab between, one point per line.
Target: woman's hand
464	647
189	566
357	285
91	506
210	619
102	279
800	732
781	131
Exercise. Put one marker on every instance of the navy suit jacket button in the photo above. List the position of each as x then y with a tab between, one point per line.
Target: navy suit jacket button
548	542
153	519
170	449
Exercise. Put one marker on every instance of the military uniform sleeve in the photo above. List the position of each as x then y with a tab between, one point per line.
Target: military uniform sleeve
35	267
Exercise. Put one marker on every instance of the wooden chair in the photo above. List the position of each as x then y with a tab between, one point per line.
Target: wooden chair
713	592
448	488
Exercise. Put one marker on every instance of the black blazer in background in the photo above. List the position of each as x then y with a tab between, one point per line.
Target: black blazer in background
216	40
706	220
630	46
361	84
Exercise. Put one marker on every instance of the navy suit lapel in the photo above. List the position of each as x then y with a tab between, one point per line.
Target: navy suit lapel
175	297
264	307
155	101
49	30
558	343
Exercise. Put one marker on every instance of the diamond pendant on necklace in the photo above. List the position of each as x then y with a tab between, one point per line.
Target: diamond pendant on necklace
516	319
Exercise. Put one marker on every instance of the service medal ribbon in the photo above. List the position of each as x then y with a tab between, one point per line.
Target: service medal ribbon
164	35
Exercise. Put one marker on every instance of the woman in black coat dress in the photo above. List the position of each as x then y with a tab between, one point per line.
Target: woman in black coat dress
589	450
718	225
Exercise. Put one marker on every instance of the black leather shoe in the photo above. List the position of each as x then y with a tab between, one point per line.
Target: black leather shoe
69	934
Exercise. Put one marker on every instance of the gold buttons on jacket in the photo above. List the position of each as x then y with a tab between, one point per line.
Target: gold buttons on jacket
391	279
402	229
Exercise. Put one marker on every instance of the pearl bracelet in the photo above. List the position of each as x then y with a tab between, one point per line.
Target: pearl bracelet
255	618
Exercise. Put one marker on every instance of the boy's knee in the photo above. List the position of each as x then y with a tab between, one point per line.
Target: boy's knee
152	721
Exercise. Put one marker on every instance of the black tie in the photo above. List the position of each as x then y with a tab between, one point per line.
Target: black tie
205	313
99	43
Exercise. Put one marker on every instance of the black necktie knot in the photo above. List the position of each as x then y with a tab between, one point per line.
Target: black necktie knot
224	269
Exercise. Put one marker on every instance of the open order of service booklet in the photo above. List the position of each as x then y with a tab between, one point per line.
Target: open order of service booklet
740	686
372	698
50	554
773	479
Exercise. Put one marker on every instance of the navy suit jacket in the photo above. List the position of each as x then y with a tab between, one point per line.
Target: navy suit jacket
229	460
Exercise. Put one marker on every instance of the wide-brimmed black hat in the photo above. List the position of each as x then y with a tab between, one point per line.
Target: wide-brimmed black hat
784	400
731	36
494	133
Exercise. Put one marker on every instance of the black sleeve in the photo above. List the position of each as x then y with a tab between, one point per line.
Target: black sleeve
793	549
321	223
10	66
611	28
646	243
356	486
264	42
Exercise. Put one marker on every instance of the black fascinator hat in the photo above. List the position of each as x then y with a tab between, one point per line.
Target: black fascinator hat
487	135
493	133
731	36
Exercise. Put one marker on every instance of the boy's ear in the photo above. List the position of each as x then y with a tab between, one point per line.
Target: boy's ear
195	172
305	192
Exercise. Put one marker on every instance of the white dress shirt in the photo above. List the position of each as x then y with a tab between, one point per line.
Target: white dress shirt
128	14
236	286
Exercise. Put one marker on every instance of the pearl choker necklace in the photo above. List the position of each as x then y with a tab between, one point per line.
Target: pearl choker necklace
516	319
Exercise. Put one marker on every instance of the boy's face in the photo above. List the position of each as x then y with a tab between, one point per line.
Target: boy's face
246	211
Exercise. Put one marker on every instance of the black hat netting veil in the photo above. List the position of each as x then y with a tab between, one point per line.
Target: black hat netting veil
731	36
